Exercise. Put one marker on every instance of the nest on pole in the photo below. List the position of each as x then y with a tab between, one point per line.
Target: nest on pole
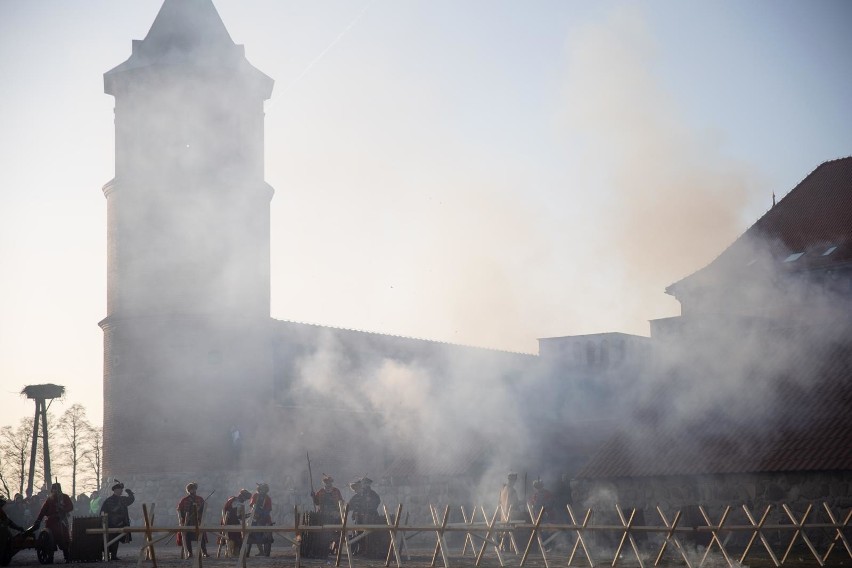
44	392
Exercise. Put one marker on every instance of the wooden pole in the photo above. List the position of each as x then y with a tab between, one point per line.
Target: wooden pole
149	538
34	445
47	476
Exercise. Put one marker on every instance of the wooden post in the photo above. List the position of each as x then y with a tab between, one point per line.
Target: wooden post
344	540
533	536
297	534
149	539
31	476
106	536
393	547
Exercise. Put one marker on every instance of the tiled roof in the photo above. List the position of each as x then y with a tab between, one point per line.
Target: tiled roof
815	216
803	424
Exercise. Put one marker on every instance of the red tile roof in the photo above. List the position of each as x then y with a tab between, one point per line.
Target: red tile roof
790	407
815	216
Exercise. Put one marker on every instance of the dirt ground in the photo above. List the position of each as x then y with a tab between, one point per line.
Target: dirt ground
285	556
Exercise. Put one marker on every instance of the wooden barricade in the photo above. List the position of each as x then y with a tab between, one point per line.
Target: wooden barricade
655	544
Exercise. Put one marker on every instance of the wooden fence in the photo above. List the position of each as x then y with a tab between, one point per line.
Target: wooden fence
578	542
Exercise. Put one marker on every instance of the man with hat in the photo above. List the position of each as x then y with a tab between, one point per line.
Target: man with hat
327	499
541	499
55	511
190	510
375	544
232	515
508	506
354	507
115	508
369	501
261	516
355	500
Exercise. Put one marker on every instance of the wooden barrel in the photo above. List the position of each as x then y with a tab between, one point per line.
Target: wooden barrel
376	543
86	547
314	544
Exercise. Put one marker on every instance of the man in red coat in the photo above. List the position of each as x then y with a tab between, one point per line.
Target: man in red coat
261	516
541	499
326	501
231	516
190	509
55	512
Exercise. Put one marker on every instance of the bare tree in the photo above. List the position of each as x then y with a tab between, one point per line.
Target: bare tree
15	444
72	429
93	456
3	474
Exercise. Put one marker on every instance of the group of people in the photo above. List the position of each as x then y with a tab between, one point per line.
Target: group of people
254	507
257	507
363	505
55	511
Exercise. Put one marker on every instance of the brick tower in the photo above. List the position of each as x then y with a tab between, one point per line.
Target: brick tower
187	353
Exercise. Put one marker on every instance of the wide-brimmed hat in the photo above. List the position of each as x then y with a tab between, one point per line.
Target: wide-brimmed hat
244	494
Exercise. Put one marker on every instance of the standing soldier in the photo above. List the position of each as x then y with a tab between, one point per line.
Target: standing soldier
190	509
261	516
327	500
327	503
354	509
541	499
369	501
367	513
55	511
508	506
115	508
231	516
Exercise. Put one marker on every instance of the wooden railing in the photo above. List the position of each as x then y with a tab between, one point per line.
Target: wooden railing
579	542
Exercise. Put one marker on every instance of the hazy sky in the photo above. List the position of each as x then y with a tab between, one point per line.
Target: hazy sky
477	172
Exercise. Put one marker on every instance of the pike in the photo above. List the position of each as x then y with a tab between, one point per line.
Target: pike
310	474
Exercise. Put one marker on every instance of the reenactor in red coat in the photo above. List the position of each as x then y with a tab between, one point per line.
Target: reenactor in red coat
55	511
261	516
190	509
231	516
541	499
327	499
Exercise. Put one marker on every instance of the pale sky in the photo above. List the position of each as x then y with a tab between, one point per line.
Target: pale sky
476	172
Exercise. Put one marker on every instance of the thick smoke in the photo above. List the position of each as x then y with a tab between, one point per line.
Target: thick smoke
673	199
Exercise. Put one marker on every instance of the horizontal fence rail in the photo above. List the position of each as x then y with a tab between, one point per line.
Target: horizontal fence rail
575	543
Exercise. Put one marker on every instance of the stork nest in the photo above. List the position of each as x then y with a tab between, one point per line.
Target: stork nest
44	392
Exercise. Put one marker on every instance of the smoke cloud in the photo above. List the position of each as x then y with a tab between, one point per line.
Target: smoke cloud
673	200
